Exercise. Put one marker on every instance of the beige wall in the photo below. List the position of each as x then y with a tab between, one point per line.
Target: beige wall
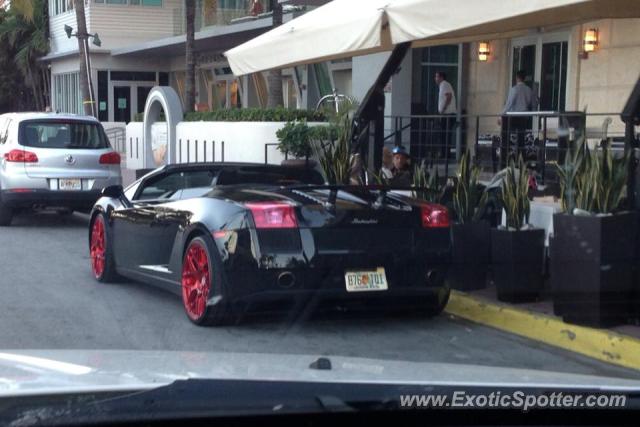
600	84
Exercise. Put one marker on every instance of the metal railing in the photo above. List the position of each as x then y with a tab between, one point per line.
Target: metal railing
542	138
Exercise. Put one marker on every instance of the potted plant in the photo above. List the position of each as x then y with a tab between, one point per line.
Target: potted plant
294	140
593	250
517	249
471	235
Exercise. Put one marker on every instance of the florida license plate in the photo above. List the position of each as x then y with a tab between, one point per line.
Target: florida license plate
362	281
69	184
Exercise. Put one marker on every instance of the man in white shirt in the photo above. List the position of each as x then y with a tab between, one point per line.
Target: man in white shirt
521	99
447	108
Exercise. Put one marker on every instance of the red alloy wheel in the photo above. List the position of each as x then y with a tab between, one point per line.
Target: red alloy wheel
196	280
98	247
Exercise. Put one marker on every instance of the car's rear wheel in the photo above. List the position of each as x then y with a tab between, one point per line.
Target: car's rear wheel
6	215
202	278
438	303
101	251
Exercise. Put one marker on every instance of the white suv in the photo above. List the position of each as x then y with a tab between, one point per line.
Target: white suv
53	160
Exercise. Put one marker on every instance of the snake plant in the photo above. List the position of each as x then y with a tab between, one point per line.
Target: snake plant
515	189
467	195
593	180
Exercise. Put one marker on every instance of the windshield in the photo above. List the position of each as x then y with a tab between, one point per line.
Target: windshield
419	194
62	134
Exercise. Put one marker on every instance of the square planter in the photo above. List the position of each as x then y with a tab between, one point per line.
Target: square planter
471	256
593	268
517	258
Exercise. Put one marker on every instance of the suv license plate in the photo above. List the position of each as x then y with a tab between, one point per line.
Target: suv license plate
69	184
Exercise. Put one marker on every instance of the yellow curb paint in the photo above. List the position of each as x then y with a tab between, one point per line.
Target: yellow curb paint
599	344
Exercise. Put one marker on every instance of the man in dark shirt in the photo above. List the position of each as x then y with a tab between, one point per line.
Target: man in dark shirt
401	169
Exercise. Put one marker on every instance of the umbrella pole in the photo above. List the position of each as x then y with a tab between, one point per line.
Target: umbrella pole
371	111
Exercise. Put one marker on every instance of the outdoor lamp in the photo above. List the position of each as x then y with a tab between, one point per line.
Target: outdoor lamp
68	30
484	51
590	40
96	40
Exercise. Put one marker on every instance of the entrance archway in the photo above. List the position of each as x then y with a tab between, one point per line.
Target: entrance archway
161	98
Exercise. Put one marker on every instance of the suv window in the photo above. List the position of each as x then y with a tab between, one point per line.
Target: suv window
62	134
177	185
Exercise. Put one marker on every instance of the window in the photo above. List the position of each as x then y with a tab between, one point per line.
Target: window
62	134
178	184
157	3
67	96
433	59
56	7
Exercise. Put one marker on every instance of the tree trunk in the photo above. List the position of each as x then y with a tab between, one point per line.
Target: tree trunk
34	89
78	5
274	77
190	78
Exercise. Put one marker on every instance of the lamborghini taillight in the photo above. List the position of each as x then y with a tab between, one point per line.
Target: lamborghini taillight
273	215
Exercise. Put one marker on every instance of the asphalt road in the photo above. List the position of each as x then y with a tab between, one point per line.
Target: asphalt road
49	300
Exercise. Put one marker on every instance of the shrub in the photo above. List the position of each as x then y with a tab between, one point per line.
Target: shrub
515	194
252	115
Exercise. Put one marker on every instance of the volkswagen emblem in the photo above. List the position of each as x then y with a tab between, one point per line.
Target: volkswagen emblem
69	159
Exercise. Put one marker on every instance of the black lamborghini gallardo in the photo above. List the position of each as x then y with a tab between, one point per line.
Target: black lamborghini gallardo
233	237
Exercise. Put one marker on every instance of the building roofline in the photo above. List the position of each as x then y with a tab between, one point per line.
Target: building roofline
66	53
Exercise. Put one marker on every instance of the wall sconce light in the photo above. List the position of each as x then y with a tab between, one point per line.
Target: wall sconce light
484	51
590	40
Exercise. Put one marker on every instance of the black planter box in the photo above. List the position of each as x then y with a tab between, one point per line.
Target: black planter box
517	258
593	268
471	256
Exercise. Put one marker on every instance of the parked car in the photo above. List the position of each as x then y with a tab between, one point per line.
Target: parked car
53	160
230	237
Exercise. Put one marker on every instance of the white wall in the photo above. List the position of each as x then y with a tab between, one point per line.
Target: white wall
243	142
59	42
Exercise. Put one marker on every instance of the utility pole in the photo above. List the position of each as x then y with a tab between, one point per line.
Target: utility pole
86	89
190	78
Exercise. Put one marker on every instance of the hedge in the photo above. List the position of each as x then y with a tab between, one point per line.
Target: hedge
251	115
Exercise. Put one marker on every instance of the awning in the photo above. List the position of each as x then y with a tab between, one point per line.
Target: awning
346	28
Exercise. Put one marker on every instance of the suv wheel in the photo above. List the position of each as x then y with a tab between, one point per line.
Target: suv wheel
6	215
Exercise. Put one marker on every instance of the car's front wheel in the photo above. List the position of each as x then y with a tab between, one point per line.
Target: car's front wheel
202	278
101	251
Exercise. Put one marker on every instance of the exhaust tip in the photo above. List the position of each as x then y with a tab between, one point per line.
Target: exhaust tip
286	279
432	277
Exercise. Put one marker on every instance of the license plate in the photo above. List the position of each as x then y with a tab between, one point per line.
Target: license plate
69	184
363	281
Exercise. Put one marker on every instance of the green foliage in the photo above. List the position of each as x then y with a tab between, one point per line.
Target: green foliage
593	180
428	181
467	195
515	194
332	145
23	34
251	115
295	139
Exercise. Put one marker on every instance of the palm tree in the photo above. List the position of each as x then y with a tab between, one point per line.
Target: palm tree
190	16
274	77
25	29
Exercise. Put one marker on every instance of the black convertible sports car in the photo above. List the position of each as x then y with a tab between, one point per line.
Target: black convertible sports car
232	237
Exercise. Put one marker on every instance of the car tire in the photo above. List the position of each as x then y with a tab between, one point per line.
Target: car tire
101	250
438	304
6	215
201	275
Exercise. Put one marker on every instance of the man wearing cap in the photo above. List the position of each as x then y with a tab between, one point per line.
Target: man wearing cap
401	169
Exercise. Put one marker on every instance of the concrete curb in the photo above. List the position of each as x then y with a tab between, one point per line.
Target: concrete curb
599	344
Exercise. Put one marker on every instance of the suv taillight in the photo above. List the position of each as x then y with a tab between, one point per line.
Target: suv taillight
435	216
273	215
21	156
111	158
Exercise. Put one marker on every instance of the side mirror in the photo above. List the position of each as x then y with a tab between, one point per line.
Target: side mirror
113	191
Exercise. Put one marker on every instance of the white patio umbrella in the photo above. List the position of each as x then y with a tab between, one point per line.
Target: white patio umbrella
345	28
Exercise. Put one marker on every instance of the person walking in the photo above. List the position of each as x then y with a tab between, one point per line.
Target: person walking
521	99
447	109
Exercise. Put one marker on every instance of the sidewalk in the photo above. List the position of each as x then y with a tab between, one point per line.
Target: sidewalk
619	345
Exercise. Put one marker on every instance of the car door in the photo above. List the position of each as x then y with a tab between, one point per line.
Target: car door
144	234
